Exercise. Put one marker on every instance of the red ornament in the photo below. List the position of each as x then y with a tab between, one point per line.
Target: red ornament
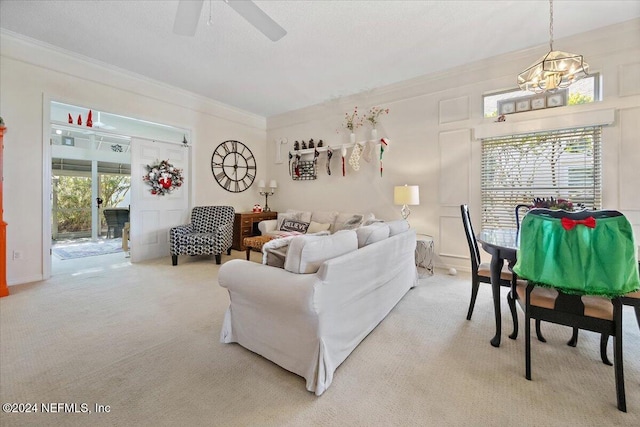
154	192
89	121
79	119
70	119
165	182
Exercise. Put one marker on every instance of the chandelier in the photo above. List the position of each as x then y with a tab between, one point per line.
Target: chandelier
555	70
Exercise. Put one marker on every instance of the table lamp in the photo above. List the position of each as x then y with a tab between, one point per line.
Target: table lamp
406	195
264	192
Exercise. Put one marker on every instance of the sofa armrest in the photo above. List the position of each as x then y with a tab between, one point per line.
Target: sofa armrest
182	229
224	233
267	286
267	226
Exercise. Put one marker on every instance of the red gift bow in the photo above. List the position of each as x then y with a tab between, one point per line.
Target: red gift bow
569	223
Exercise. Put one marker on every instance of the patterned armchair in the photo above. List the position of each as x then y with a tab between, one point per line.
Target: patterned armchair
210	232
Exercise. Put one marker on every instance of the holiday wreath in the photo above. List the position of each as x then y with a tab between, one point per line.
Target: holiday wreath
163	178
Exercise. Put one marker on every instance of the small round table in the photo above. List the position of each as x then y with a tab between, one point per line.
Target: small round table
255	243
424	254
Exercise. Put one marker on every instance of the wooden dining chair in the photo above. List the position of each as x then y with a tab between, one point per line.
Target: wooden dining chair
631	299
520	210
566	285
480	272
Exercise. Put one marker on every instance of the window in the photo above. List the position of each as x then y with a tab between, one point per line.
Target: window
561	164
583	91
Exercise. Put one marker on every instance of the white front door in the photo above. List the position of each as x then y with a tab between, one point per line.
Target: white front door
153	215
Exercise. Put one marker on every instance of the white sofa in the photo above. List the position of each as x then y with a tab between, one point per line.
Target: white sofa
309	316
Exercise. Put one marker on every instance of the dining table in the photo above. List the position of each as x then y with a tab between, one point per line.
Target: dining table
502	244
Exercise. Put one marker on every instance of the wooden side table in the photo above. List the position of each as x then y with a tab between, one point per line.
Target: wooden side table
245	224
424	254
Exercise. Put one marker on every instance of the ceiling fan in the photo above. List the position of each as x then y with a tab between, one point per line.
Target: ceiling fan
188	14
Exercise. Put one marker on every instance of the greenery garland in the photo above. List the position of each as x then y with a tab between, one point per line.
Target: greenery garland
163	178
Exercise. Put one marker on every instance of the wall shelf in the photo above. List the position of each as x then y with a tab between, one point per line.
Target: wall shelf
333	147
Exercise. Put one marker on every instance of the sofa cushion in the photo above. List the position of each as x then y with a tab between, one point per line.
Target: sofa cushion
397	227
294	225
369	234
307	253
315	227
324	217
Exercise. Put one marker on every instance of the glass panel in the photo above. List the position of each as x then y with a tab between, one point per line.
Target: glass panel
581	92
72	206
114	191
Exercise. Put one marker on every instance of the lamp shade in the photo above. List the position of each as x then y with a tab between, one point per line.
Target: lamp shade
406	195
273	183
261	183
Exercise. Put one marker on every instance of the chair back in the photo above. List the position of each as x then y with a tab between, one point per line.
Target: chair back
519	209
584	253
474	252
206	219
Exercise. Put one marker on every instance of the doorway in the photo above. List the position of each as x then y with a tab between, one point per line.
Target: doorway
74	234
92	193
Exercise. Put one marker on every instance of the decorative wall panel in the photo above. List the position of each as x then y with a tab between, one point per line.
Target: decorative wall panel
455	109
453	242
455	158
629	79
629	173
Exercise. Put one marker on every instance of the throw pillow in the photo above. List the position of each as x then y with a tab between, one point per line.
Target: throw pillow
316	227
373	221
350	223
307	253
294	225
293	214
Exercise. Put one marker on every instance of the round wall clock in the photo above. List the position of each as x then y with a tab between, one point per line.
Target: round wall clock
233	166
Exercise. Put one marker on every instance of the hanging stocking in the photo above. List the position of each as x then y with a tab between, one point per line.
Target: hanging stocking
383	143
297	165
329	154
366	151
354	159
290	157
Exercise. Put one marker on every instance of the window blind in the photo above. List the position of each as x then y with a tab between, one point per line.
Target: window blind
516	169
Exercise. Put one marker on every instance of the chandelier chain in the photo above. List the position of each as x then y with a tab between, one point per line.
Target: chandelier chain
551	25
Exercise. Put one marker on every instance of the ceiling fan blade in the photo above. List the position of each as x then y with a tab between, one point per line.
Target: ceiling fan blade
256	17
187	17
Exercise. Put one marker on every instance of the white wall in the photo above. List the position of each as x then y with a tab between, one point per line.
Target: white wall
431	125
31	73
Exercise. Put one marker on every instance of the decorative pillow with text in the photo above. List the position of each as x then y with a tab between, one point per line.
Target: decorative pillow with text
294	225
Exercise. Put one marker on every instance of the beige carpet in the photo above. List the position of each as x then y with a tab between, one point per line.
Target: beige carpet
143	339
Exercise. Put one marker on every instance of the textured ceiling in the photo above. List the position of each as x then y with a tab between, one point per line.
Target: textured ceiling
332	49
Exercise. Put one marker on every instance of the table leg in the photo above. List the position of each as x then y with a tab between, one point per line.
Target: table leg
248	253
496	268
